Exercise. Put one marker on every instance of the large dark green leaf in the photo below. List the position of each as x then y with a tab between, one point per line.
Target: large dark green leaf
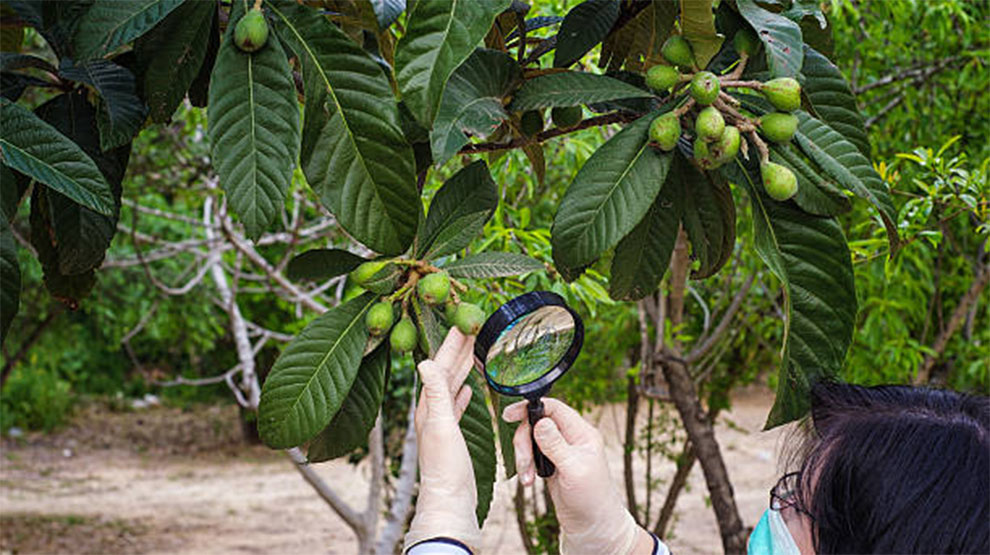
10	279
254	128
353	154
709	219
832	99
68	288
583	27
609	196
10	61
11	193
321	264
842	161
171	55
698	27
572	88
812	260
781	36
38	150
122	111
440	35
642	257
458	212
108	24
493	264
639	40
313	375
476	426
815	194
351	425
472	101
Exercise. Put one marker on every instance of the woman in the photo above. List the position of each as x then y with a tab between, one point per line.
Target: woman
889	469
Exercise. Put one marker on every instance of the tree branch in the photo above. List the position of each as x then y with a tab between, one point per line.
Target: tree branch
339	506
597	121
723	324
958	315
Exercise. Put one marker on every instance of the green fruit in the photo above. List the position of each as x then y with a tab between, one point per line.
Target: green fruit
779	127
665	130
779	181
449	309
469	318
703	156
709	124
677	50
531	123
660	78
363	273
784	93
251	32
566	116
434	288
726	148
745	42
403	337
704	88
379	318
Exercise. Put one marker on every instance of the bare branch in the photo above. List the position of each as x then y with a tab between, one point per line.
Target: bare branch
971	296
723	324
597	121
923	71
339	506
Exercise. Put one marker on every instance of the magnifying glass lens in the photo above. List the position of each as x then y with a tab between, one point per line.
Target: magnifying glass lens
530	346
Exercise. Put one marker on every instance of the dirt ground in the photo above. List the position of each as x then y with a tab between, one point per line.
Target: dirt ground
164	480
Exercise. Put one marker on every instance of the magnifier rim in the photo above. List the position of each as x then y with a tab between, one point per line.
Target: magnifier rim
508	313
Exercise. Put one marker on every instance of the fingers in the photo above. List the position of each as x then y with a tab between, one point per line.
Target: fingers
573	427
451	348
436	392
551	440
462	401
523	448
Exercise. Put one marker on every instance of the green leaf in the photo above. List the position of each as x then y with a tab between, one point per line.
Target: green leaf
609	195
698	27
709	219
832	99
254	128
642	257
354	155
171	55
108	24
472	101
586	25
67	288
10	61
431	331
781	36
385	280
572	88
312	376
11	193
492	264
638	42
387	11
351	425
812	260
10	278
122	110
38	150
842	161
440	35
458	211
322	264
476	426
815	194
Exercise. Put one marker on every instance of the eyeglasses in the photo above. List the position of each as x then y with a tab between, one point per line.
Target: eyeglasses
784	494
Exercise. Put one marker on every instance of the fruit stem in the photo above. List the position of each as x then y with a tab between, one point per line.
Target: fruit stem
738	71
755	85
684	108
760	146
728	98
458	285
257	5
741	120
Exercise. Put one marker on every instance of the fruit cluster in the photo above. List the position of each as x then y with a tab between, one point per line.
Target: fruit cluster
718	124
433	287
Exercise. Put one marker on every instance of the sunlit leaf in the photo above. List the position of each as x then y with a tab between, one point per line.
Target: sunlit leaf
108	24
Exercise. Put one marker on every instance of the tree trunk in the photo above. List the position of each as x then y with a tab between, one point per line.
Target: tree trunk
632	408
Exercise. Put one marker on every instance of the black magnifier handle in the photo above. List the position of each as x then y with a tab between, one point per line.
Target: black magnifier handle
544	467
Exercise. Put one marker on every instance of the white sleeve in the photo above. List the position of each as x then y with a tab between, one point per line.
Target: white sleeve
438	546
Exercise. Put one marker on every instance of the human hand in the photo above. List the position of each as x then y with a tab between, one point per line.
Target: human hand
592	516
447	495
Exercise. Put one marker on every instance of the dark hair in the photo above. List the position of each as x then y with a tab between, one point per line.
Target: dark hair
897	469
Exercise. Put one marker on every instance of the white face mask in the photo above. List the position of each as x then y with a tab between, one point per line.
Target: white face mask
771	536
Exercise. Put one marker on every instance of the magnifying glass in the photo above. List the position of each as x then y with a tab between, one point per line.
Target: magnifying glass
524	347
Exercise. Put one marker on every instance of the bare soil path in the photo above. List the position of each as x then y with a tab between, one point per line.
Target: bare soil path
167	481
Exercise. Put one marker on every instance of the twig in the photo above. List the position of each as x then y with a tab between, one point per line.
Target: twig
339	506
723	324
617	117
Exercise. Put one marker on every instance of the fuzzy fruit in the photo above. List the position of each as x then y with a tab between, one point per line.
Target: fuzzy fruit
449	309
660	78
745	42
779	127
434	288
727	146
469	318
784	93
251	32
363	273
566	116
379	318
665	131
779	181
531	123
677	50
703	155
704	88
709	124
403	337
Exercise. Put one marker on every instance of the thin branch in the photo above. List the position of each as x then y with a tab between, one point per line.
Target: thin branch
958	315
617	117
924	70
723	324
339	506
